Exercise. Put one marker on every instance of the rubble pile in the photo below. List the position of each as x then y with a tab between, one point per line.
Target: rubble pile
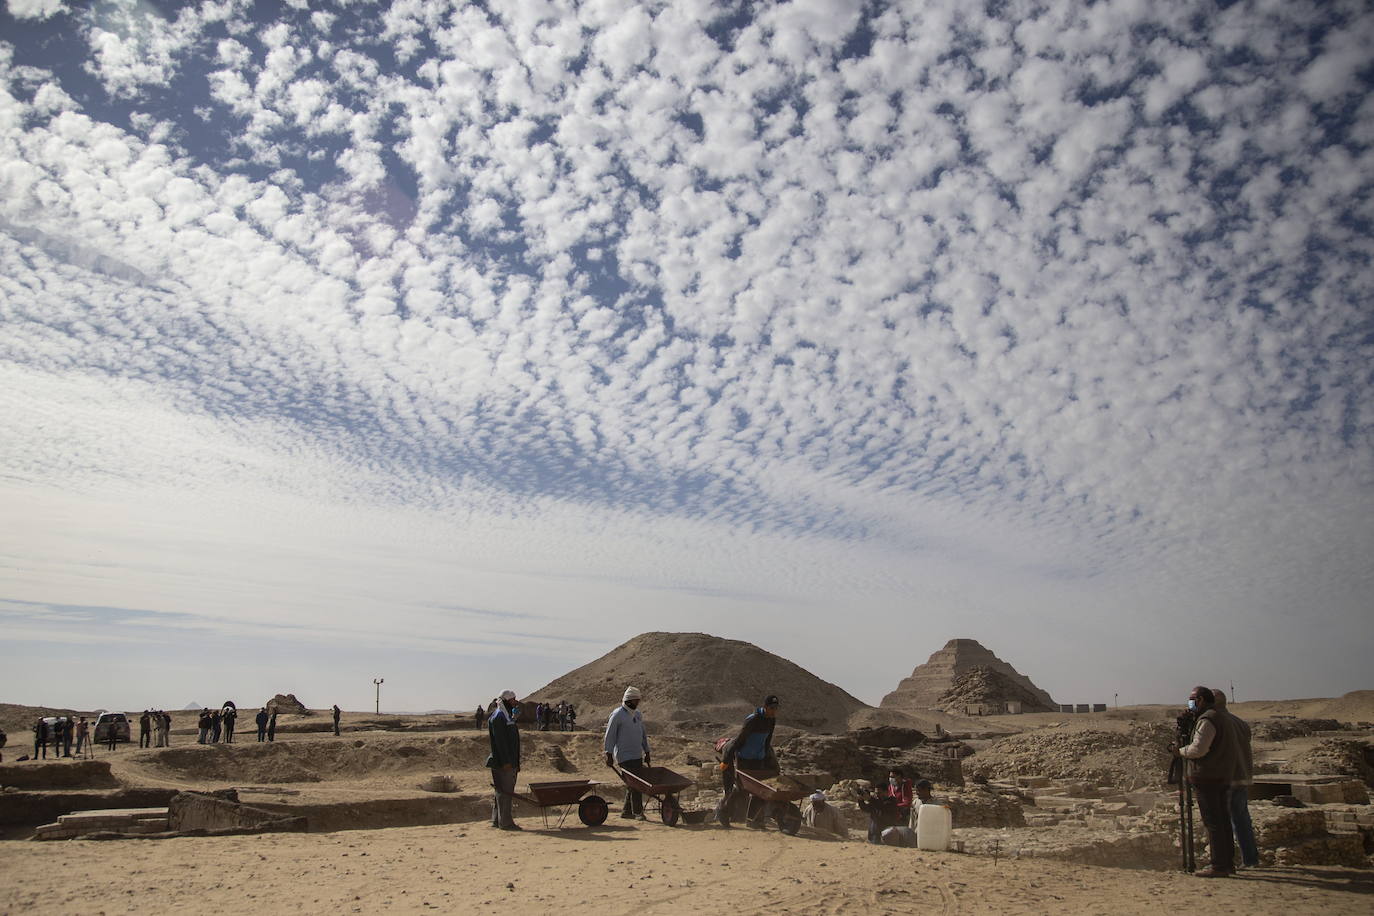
1133	759
982	806
1282	729
287	704
985	686
843	757
1338	757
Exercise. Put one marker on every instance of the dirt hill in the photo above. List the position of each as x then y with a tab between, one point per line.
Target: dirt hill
700	683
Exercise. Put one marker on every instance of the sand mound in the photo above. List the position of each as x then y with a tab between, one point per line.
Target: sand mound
1356	706
1136	758
700	683
315	761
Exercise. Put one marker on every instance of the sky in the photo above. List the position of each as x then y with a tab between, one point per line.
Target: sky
456	344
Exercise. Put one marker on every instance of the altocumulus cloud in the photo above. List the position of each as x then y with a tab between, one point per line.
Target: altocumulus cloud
1013	320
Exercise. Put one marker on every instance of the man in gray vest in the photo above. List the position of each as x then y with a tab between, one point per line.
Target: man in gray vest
1212	759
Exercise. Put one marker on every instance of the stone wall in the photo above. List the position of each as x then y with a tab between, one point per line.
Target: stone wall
193	811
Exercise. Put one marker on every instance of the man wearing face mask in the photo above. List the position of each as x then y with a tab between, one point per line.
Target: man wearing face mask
627	743
504	760
1212	758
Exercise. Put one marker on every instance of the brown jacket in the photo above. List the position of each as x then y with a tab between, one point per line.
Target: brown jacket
1222	762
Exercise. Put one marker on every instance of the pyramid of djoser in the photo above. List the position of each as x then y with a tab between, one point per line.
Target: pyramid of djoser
699	683
965	673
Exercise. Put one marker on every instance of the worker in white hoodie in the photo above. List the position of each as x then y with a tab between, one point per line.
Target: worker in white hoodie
627	744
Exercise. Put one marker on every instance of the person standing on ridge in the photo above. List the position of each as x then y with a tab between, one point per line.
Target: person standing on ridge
627	743
144	726
261	720
337	712
504	760
272	726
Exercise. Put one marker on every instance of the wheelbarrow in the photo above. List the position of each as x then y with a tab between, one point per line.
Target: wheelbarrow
565	795
778	793
660	784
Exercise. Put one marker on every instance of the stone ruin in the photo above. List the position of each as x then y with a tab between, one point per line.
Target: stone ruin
287	704
966	677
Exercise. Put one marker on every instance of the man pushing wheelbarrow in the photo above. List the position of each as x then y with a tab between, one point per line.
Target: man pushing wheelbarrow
627	744
751	750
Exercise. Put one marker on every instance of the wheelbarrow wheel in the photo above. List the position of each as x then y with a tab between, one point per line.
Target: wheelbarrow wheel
789	819
592	810
669	810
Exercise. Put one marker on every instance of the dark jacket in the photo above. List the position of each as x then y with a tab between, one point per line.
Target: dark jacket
754	742
1221	763
505	740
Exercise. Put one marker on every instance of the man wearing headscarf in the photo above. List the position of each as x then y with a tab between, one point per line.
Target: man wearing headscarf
505	758
823	816
627	743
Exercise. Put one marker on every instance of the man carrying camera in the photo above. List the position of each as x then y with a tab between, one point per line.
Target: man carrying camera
1212	758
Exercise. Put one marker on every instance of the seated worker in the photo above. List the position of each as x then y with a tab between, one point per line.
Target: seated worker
751	749
824	817
923	797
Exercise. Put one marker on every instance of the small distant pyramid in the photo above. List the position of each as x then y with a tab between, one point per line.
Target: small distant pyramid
965	672
192	706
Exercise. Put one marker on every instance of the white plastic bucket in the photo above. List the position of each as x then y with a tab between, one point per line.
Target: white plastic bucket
933	828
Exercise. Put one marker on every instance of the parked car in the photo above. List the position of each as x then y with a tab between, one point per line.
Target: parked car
111	721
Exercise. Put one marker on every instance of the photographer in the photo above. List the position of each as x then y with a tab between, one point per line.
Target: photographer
880	809
1212	759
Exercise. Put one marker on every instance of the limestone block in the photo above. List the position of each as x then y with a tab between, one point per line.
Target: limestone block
1345	850
1319	794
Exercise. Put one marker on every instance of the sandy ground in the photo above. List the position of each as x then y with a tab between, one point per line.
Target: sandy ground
619	868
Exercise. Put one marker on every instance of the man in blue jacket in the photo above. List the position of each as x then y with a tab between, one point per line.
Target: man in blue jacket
505	758
627	743
751	749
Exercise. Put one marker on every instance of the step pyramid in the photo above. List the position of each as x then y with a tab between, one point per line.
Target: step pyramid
937	683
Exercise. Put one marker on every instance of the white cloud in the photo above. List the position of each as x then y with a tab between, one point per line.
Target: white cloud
971	316
35	9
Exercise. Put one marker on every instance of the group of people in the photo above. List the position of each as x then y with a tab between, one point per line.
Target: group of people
214	726
626	745
1219	765
60	732
563	717
154	728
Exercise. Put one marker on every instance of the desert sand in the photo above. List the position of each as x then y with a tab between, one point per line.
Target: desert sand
622	867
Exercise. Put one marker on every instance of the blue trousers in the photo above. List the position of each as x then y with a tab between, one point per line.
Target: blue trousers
1240	824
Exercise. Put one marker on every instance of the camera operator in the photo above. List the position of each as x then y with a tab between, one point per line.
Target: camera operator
1212	757
874	804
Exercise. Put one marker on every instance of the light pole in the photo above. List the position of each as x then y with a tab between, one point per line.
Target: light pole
378	681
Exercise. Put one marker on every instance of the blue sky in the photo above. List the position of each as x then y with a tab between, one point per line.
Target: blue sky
457	344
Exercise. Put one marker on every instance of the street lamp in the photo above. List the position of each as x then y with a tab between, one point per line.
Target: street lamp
378	681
